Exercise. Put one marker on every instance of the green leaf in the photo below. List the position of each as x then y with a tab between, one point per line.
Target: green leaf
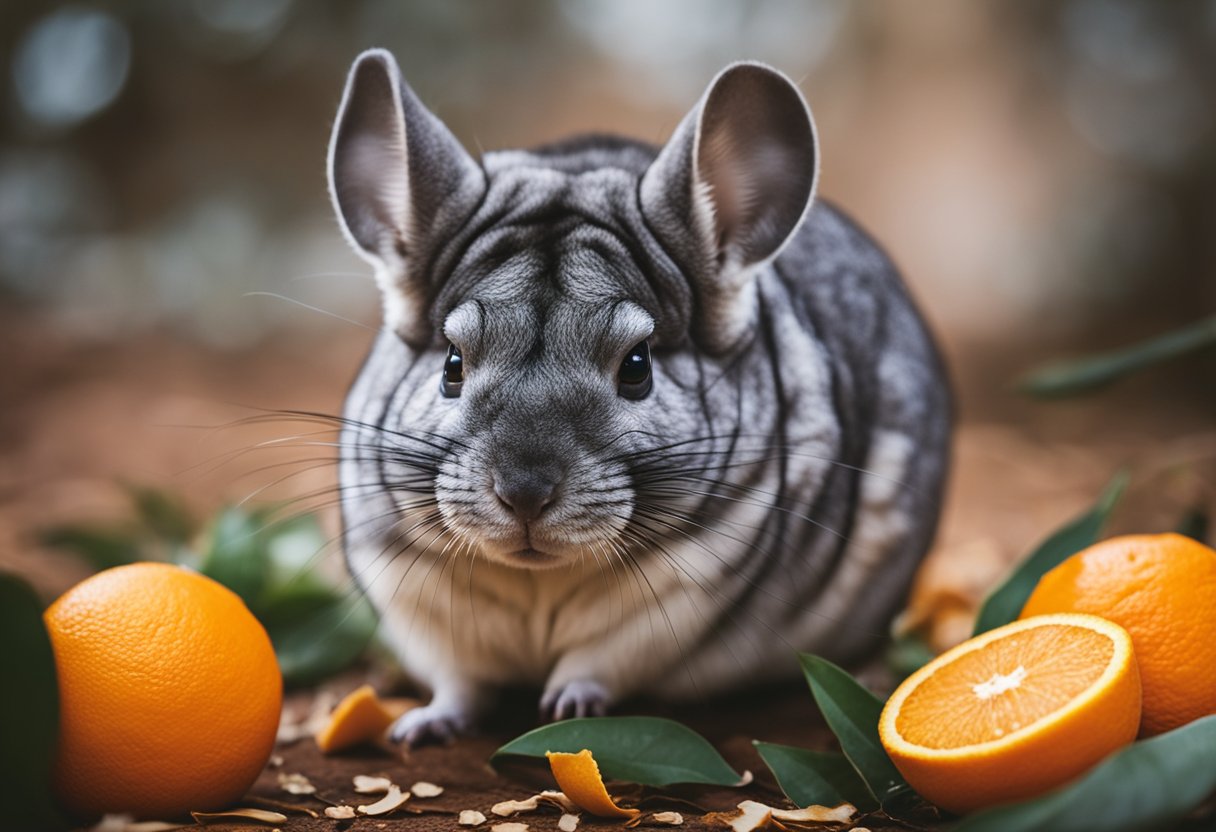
237	556
1006	602
811	778
852	713
100	548
318	641
1073	377
1195	524
29	711
295	547
907	654
637	749
162	514
1148	785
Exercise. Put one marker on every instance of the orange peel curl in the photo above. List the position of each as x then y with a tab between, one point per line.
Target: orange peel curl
578	776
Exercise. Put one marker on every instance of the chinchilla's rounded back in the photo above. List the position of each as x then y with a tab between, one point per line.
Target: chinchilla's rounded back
639	419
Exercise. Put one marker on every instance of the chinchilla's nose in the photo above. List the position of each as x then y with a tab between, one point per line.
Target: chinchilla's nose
525	491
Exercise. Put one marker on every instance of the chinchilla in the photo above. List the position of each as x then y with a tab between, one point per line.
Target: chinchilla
639	420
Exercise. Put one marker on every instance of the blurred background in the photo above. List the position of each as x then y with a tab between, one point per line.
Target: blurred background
1044	173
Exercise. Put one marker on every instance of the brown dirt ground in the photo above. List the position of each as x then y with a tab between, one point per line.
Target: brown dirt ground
783	714
76	418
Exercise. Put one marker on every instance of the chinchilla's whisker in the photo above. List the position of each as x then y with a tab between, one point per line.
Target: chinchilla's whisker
319	275
680	567
435	559
654	515
640	572
653	539
670	529
310	307
742	500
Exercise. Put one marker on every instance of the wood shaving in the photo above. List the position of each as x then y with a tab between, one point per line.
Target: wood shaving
282	806
509	827
559	800
471	817
422	789
567	822
507	808
340	812
275	761
817	814
751	816
746	779
127	823
389	803
259	815
296	784
668	818
293	728
371	785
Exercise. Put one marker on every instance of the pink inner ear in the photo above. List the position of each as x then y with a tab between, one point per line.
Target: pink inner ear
756	158
377	175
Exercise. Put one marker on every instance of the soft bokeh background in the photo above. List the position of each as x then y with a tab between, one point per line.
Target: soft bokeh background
1043	172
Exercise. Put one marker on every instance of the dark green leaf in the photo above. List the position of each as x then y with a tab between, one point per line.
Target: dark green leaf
29	711
1195	524
319	642
852	713
237	556
1073	377
1148	785
295	547
290	605
162	514
811	778
1006	602
101	548
637	749
907	654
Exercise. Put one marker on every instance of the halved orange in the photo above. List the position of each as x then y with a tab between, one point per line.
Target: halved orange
1014	712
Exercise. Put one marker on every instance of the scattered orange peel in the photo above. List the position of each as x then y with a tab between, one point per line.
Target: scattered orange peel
579	778
361	717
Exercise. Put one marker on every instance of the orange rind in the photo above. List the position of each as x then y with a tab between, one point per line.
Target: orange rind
361	717
1161	588
1015	712
578	776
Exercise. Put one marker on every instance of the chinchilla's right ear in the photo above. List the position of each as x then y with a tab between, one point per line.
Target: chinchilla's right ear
730	188
398	177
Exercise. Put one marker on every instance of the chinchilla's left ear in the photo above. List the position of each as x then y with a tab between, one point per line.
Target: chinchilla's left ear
398	177
729	189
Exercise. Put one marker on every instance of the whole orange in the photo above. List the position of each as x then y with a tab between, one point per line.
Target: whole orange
169	690
1161	589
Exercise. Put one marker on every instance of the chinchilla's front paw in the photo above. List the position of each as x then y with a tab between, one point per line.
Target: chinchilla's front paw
577	698
436	723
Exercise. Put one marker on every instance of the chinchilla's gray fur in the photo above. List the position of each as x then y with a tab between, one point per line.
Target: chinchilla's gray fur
540	521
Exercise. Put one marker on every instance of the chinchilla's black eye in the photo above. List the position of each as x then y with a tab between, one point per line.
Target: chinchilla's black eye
453	373
634	380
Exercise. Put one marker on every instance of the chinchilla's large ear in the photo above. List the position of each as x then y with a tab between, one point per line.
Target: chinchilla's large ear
398	177
730	187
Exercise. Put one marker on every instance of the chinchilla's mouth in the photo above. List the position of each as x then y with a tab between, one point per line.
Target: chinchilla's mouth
533	557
